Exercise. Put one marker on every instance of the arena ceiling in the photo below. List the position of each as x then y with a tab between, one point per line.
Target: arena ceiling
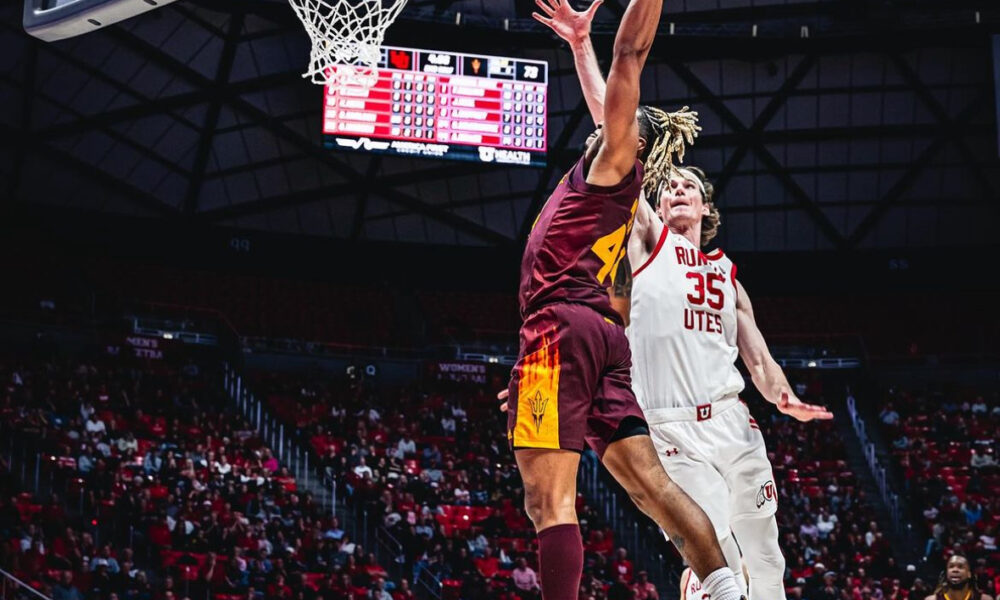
842	124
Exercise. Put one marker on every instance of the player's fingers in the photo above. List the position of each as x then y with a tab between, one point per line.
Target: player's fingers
593	7
503	394
811	412
545	7
503	407
548	22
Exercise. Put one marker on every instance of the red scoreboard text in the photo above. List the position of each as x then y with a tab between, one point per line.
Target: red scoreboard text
441	105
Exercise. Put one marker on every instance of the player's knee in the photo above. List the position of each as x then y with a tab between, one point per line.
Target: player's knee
646	486
546	508
776	560
533	506
768	560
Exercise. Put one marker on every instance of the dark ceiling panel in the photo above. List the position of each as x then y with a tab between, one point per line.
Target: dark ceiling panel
836	140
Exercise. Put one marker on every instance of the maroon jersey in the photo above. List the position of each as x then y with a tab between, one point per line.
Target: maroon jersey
577	241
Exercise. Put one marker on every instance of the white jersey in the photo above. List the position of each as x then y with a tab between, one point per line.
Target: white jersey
683	329
690	586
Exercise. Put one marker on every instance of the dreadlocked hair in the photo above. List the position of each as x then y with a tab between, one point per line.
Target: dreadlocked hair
666	135
942	585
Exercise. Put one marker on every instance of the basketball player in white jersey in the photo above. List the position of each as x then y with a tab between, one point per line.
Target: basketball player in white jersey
690	319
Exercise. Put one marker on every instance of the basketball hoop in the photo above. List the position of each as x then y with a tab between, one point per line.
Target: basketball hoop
344	32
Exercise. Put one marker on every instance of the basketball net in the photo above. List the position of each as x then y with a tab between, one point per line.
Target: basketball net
345	32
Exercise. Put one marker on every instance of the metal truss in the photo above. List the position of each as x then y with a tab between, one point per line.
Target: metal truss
357	182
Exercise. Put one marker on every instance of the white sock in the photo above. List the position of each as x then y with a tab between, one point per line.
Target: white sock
721	585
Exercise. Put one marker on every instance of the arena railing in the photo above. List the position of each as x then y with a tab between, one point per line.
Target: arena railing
287	450
633	531
879	472
12	588
292	452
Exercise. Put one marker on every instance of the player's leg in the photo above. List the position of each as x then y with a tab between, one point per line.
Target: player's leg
633	462
550	397
758	539
550	499
619	434
731	550
753	502
677	444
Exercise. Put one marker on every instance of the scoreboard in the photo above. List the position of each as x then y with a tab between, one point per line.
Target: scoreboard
432	104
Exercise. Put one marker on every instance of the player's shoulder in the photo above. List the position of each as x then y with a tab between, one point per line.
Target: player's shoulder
719	258
715	253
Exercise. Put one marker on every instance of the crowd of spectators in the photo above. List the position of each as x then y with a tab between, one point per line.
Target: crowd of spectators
150	489
434	468
833	546
153	488
430	464
944	448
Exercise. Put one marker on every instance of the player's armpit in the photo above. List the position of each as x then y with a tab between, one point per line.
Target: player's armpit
620	291
622	286
648	225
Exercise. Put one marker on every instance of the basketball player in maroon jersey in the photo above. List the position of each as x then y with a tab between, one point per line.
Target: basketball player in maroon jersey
571	385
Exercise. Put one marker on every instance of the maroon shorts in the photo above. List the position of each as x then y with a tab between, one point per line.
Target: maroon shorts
572	382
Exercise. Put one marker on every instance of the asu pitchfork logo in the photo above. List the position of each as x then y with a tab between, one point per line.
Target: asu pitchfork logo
538	404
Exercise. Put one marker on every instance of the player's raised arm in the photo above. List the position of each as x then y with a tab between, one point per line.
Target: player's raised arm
765	372
573	26
617	152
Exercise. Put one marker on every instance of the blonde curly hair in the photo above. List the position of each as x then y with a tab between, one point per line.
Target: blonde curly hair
710	222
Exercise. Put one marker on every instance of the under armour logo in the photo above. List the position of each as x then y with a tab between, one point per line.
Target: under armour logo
672	452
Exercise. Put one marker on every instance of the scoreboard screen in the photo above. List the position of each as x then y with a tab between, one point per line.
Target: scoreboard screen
431	104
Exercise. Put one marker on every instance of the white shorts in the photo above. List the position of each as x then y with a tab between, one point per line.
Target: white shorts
716	454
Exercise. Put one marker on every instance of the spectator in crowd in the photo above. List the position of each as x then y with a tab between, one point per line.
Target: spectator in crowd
406	445
362	469
643	589
525	579
95	426
379	591
889	416
65	589
979	460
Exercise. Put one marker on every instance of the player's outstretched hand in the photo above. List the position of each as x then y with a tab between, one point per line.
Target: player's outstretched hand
503	396
571	25
790	405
